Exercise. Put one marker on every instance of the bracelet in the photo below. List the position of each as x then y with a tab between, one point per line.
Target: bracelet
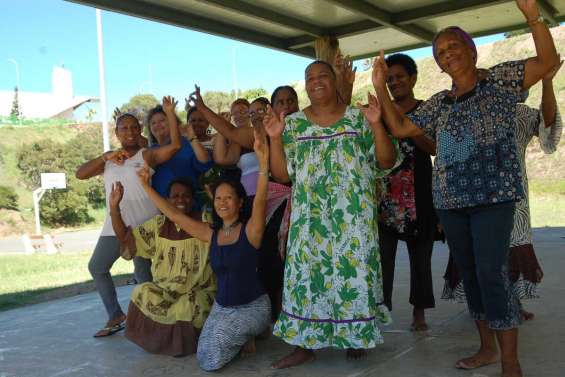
266	172
192	139
539	20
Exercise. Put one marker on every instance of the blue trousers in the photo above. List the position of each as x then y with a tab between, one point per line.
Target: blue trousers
479	239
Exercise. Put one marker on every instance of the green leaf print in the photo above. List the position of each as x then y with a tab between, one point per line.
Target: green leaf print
354	206
299	292
348	294
319	230
337	220
302	125
317	286
345	268
347	147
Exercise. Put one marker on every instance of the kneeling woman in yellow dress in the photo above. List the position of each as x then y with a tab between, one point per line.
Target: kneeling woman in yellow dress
165	316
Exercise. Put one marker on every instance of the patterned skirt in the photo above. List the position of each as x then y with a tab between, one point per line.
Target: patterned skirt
524	271
228	328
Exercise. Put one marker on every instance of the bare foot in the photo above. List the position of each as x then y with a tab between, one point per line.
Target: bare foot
418	320
297	357
248	348
356	354
527	316
478	360
511	371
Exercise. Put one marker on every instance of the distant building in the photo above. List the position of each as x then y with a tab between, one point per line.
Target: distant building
60	103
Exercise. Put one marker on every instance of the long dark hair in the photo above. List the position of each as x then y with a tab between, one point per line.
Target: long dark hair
240	192
283	87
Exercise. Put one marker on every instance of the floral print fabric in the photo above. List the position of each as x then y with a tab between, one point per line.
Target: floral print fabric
332	291
477	161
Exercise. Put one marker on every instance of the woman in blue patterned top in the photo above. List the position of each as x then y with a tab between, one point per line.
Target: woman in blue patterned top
477	177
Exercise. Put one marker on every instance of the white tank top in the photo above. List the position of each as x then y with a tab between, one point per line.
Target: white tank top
249	166
135	207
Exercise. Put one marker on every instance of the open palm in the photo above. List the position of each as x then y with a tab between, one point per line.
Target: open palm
273	124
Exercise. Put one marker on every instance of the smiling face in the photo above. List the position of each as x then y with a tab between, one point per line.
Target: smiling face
453	55
240	114
320	83
226	203
128	132
180	196
198	123
285	101
400	83
159	126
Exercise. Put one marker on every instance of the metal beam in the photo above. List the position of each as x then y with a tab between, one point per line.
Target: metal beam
263	14
369	11
483	33
191	21
343	31
442	9
547	11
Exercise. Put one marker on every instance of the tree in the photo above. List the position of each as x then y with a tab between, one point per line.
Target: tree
139	105
251	94
15	113
217	100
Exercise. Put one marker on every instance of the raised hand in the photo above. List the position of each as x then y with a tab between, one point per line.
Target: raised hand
273	124
344	68
144	175
116	114
551	74
169	104
380	71
372	111
195	99
116	195
529	8
117	157
261	147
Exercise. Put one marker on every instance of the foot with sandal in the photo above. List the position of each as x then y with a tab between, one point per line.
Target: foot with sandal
482	358
112	327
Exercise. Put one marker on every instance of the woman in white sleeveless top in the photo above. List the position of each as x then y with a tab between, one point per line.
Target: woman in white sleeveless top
136	208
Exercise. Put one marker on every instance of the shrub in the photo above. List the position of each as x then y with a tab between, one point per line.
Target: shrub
8	198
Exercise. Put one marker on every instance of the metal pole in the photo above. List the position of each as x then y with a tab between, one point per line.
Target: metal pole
105	135
37	194
234	71
12	60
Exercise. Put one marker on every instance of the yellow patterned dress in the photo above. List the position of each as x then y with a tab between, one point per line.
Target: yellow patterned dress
165	316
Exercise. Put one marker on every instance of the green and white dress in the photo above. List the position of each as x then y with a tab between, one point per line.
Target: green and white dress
333	291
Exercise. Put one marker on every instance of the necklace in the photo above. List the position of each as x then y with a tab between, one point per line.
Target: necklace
227	229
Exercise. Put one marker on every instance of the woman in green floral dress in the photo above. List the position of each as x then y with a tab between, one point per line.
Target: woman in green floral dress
332	154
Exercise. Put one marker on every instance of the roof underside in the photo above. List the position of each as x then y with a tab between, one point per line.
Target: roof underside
362	26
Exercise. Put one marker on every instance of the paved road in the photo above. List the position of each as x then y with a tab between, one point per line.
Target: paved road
69	242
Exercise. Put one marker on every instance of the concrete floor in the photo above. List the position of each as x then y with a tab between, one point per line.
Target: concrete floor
55	338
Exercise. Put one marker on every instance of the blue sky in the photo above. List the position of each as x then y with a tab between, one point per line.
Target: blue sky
140	55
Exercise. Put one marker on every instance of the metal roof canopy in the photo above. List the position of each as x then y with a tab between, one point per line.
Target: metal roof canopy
363	27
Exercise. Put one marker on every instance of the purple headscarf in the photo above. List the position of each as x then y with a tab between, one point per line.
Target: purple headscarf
462	34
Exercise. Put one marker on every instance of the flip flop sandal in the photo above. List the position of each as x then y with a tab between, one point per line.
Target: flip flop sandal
109	330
